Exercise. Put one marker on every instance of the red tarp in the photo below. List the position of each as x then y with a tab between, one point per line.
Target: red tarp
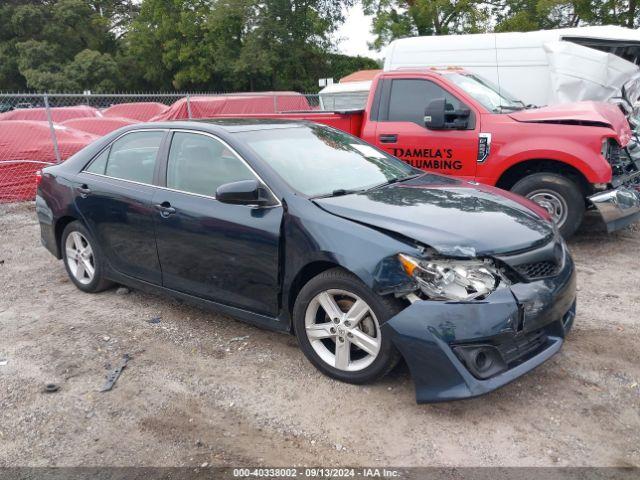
26	145
98	126
143	111
25	148
58	114
207	107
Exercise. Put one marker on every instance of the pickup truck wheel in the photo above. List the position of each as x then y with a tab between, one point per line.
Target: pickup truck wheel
82	259
337	322
558	195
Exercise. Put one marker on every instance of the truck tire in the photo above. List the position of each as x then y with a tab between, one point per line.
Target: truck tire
557	194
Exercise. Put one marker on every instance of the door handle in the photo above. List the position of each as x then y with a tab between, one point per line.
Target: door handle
389	138
84	190
165	209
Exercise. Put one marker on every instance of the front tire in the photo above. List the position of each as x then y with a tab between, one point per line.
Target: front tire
557	194
337	321
83	259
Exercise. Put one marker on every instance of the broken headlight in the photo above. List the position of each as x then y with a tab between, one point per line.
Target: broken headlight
448	279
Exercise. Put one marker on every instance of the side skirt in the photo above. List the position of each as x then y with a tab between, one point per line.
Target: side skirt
259	320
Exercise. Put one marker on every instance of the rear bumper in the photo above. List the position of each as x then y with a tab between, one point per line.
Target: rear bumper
47	226
618	207
430	336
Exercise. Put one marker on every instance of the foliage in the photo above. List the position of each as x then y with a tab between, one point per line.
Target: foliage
401	18
213	45
524	15
236	45
62	45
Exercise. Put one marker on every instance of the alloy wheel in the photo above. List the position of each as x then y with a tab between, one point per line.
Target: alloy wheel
80	259
343	330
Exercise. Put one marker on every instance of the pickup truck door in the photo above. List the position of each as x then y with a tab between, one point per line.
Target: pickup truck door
400	128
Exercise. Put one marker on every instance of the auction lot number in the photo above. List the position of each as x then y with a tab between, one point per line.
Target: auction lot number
315	472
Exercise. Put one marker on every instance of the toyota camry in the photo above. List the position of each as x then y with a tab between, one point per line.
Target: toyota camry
304	229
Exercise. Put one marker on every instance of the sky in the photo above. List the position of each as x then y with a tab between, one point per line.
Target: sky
353	35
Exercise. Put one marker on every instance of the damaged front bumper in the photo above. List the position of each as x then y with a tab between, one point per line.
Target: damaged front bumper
458	350
618	207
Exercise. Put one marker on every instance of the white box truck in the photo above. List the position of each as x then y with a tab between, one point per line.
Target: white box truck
540	68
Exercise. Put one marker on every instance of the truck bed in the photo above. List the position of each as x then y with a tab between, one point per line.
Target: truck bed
347	121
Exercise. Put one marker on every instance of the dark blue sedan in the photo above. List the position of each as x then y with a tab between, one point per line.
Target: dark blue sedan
304	229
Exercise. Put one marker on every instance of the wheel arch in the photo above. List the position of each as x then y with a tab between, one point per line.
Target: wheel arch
60	225
303	276
521	169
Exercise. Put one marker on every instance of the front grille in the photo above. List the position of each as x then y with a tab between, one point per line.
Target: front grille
623	161
520	347
614	152
535	270
531	265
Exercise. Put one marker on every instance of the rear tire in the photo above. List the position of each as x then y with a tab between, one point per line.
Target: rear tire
83	259
557	194
337	321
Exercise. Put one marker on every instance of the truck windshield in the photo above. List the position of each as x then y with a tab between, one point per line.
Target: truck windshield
485	92
319	161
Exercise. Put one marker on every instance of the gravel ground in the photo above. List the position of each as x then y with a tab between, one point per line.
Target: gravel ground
204	388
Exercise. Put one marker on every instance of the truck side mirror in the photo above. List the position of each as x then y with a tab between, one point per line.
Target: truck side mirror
434	114
438	117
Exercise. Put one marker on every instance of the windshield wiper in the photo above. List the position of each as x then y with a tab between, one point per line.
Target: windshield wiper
511	108
339	193
343	191
395	180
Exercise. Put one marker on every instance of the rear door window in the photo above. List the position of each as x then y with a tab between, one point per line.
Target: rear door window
132	157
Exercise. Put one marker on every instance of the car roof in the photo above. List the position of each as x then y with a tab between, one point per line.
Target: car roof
228	125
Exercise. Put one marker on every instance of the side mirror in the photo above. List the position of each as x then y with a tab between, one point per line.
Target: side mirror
245	192
434	114
438	117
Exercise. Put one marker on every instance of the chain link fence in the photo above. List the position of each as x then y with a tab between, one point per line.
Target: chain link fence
37	130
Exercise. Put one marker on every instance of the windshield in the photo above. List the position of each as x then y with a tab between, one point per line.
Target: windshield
486	92
317	161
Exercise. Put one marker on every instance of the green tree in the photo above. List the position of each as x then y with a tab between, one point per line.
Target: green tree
234	45
404	18
53	45
215	45
339	66
523	15
91	70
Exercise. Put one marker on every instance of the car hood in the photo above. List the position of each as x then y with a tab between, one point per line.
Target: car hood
454	217
598	114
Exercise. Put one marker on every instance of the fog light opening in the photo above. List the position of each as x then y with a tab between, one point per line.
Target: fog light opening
482	361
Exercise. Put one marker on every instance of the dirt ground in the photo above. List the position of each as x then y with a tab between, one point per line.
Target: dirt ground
204	388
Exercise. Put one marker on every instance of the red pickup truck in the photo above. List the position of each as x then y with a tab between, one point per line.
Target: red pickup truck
566	158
